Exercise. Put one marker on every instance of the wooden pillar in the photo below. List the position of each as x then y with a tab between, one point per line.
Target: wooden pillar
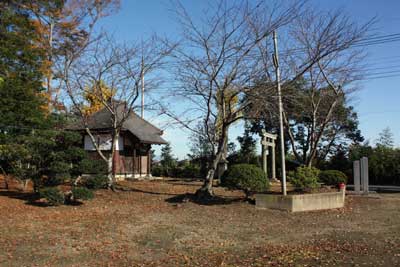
134	161
140	161
116	162
149	161
273	162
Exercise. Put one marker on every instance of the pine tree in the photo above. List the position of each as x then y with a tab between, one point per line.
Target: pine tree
167	158
20	70
386	138
247	152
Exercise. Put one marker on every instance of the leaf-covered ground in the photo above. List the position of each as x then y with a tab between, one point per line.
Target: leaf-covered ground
146	224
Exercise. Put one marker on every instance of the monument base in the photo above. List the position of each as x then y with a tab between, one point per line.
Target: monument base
304	202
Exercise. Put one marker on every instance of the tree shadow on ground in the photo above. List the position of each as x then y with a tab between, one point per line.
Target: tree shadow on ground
184	181
186	197
188	183
26	196
176	198
31	198
131	189
215	200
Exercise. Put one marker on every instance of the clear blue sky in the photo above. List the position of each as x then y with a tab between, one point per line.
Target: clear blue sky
378	101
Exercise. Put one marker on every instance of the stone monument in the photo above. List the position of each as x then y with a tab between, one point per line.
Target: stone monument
361	176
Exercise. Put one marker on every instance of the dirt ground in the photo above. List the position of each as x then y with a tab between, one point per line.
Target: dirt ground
146	224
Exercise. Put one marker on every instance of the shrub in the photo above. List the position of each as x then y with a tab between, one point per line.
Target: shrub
58	173
305	178
246	177
54	179
290	175
157	171
176	172
98	181
53	195
332	177
185	171
91	166
169	171
191	171
82	193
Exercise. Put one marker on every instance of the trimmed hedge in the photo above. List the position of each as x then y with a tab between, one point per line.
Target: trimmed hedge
82	193
305	178
90	166
53	195
332	177
186	171
95	182
246	177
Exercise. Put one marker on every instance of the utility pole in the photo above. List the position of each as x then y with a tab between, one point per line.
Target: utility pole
278	84
142	84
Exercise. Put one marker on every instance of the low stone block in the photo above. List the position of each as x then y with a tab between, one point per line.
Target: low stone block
306	202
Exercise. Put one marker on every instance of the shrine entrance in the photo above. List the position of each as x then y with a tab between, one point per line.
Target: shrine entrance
267	142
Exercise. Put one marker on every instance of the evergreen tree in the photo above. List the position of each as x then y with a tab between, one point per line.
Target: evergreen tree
201	147
168	162
30	145
153	155
167	159
20	70
247	152
385	138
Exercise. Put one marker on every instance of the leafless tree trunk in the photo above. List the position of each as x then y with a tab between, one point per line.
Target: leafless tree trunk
215	66
330	76
118	67
324	56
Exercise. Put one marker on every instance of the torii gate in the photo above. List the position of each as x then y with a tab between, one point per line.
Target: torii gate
268	140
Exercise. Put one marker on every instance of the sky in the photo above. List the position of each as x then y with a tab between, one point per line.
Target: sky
377	102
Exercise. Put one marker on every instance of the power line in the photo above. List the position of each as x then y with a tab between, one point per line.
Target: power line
383	39
379	77
380	68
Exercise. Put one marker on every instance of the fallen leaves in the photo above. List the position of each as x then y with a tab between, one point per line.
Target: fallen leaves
139	227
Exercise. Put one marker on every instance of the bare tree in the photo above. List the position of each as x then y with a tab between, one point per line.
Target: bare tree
215	65
119	67
319	69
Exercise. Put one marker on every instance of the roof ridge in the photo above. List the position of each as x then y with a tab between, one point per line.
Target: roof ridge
152	125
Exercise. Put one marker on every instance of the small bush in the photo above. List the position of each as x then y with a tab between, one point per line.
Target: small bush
53	195
332	177
186	171
91	166
82	193
290	175
191	171
305	178
157	171
175	171
58	173
55	179
170	171
246	177
95	182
